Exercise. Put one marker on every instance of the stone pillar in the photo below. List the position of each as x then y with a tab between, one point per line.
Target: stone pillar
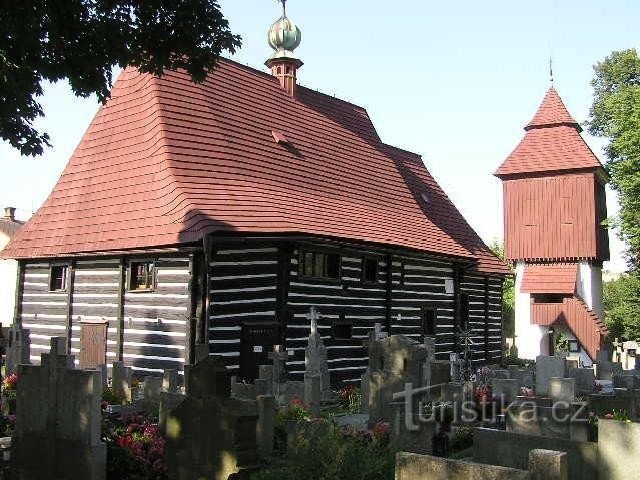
266	424
313	393
364	389
170	381
18	348
121	381
548	465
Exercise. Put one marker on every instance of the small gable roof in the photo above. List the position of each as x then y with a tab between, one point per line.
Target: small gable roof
167	161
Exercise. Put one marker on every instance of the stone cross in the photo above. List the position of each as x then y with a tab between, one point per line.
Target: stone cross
315	355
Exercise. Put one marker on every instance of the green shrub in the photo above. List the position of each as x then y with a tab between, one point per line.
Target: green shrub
326	452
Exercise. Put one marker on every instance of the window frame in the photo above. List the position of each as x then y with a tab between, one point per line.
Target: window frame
65	277
362	270
131	275
314	253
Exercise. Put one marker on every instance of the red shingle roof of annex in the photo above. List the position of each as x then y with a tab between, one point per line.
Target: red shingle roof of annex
166	161
552	143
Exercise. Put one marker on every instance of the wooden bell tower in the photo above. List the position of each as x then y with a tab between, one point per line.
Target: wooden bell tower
554	208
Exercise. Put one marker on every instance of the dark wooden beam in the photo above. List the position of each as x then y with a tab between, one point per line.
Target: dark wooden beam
122	271
196	265
457	320
71	276
486	318
389	293
285	250
17	308
208	257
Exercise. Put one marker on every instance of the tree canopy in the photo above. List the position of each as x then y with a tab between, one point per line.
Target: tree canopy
508	294
622	307
82	40
615	115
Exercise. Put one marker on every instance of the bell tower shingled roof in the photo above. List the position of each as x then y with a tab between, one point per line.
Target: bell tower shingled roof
552	143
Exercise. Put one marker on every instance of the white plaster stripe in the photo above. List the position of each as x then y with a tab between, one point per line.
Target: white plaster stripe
238	264
243	277
96	273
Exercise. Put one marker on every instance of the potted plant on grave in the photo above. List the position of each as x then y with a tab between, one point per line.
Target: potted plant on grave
350	399
9	393
292	419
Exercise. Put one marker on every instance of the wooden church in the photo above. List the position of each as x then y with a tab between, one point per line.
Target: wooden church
220	213
554	209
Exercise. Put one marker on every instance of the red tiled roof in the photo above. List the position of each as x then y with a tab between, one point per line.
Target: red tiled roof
166	161
552	142
574	314
549	278
552	112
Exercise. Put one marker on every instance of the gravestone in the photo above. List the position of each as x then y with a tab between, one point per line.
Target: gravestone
546	368
562	389
264	382
413	435
266	424
279	358
315	358
313	393
151	389
506	388
606	370
626	381
393	362
58	420
121	381
209	434
585	378
456	368
18	348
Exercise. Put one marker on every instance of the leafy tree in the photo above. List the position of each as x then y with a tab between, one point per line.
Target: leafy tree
615	114
622	307
82	40
508	294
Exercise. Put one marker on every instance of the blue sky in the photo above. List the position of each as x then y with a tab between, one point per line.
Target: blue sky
453	81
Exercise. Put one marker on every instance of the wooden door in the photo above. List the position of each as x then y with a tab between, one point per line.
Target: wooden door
93	344
256	343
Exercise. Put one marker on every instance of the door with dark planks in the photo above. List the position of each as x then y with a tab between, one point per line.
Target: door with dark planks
93	344
256	342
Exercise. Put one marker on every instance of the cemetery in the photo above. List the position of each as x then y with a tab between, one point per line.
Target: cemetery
412	417
170	327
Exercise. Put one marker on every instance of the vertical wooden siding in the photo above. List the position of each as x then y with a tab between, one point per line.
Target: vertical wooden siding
550	218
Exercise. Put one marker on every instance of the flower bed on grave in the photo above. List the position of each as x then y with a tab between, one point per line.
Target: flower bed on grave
316	448
135	448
